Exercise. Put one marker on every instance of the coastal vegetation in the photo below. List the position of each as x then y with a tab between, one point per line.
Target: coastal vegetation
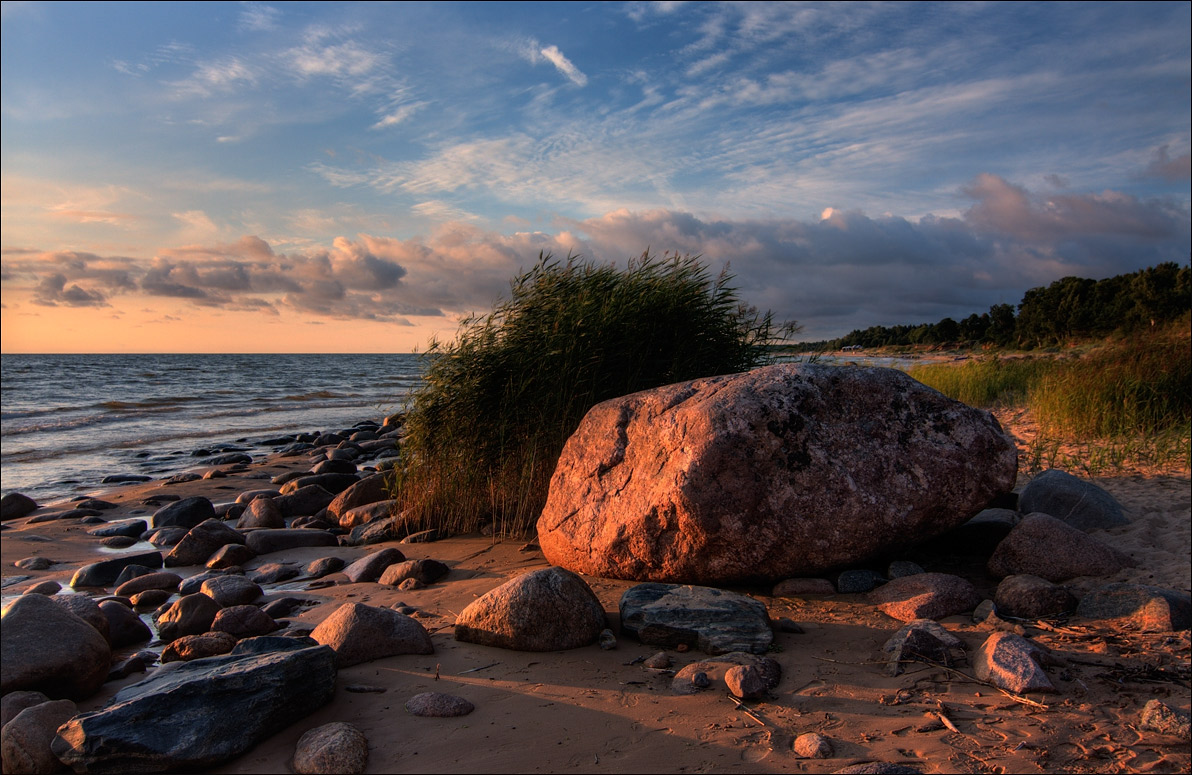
1070	309
499	401
1126	400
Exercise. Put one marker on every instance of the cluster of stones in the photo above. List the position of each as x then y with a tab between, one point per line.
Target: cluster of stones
774	476
231	645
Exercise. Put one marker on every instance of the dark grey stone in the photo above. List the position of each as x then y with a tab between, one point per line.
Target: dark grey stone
712	620
1080	504
105	573
254	695
186	513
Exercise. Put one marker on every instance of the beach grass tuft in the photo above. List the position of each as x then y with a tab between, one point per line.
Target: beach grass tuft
499	401
1127	401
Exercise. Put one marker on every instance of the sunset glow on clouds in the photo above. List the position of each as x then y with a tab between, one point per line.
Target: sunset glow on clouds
340	177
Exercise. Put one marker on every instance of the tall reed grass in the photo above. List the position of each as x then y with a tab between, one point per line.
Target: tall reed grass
1126	401
498	402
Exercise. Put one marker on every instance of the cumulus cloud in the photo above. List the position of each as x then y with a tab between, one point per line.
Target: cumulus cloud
841	270
53	291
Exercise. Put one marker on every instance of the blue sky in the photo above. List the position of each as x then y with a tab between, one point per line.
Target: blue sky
339	176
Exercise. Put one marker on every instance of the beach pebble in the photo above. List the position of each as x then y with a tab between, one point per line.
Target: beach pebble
186	513
925	596
371	566
15	505
167	536
425	571
811	745
261	512
1078	503
119	542
194	583
124	626
788	625
323	566
47	588
1162	718
658	661
25	741
607	641
269	541
229	590
199	646
370	489
150	598
202	541
1044	546
15	702
152	580
243	621
275	572
921	640
34	563
544	610
438	705
125	479
229	556
899	568
361	633
337	747
687	680
133	528
745	681
1151	609
188	615
49	649
182	478
137	663
1011	662
715	621
1030	597
411	584
131	572
335	466
248	496
268	644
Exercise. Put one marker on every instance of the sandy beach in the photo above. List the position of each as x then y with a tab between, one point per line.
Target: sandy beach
593	710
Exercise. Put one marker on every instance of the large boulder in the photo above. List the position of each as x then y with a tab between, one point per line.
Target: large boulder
253	696
712	620
544	610
787	470
46	648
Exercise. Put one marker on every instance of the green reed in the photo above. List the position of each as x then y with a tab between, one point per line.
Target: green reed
499	401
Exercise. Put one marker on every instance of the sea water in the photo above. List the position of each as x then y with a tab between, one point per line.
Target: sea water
67	421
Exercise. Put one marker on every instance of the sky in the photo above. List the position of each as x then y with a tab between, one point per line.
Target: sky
343	177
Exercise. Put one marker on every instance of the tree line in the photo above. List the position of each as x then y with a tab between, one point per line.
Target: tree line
1069	309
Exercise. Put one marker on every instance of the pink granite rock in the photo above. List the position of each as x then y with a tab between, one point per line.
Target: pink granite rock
783	471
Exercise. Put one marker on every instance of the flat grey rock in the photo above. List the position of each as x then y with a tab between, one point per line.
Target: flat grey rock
711	620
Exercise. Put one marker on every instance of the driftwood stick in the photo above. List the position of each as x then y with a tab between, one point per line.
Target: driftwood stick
741	707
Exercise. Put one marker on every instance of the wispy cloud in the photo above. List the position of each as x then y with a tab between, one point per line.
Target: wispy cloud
258	17
534	53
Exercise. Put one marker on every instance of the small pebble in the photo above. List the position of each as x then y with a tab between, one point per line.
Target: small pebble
608	641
